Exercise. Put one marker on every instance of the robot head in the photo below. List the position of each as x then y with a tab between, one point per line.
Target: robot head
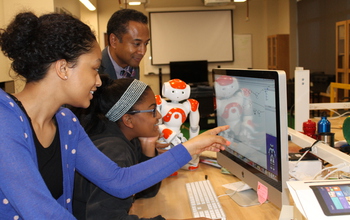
226	86
176	90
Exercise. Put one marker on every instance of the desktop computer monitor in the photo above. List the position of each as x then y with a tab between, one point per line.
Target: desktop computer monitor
192	72
254	104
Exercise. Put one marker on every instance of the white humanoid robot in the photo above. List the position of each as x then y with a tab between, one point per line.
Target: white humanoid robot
234	107
175	112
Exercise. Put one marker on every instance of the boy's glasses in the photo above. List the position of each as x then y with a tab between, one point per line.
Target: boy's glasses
154	111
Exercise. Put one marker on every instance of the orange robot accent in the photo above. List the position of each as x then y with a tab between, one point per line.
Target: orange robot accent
177	84
167	133
158	99
167	117
194	104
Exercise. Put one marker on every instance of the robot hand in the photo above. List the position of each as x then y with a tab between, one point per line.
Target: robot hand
169	136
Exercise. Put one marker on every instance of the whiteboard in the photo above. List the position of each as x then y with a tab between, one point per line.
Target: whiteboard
242	54
191	35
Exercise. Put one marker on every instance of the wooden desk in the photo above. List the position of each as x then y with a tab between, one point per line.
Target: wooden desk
172	201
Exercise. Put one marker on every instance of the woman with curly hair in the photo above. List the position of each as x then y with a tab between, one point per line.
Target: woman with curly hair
42	143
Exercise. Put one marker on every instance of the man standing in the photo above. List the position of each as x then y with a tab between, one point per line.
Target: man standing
128	37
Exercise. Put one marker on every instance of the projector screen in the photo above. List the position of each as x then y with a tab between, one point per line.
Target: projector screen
191	35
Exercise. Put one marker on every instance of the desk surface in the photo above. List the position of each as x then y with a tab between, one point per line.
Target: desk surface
173	189
172	202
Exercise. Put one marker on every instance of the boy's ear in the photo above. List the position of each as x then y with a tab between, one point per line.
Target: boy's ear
127	120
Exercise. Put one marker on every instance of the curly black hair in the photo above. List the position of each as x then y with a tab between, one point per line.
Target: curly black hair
34	43
119	22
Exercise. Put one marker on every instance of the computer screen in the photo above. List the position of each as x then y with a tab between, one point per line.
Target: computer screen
254	104
192	72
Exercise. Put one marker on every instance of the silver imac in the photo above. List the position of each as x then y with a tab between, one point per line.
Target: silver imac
254	104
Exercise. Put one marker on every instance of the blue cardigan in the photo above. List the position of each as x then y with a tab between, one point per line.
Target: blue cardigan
23	193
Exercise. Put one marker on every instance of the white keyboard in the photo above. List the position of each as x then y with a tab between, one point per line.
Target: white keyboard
204	201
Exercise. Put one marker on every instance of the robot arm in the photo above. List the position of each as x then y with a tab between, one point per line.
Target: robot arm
194	117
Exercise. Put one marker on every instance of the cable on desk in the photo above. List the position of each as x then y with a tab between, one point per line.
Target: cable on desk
304	150
336	167
234	191
308	148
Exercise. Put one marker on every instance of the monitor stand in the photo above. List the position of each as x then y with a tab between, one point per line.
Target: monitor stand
244	198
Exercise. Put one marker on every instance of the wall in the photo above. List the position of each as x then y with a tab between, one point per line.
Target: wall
316	27
9	8
105	9
293	36
90	18
73	7
265	17
4	62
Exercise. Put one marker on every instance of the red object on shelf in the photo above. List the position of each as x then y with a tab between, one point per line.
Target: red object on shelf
309	128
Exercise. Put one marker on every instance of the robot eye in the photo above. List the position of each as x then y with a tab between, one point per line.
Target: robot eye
183	92
172	91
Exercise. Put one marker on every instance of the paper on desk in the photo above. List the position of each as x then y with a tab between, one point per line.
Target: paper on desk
295	197
306	201
262	192
237	186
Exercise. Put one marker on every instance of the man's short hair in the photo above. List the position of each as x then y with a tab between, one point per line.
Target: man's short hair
119	21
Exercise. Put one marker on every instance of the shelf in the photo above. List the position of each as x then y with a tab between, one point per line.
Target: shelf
342	55
278	52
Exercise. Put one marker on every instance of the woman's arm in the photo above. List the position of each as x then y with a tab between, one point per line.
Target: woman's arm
123	182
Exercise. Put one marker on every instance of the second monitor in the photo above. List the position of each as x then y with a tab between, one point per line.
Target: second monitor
192	72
